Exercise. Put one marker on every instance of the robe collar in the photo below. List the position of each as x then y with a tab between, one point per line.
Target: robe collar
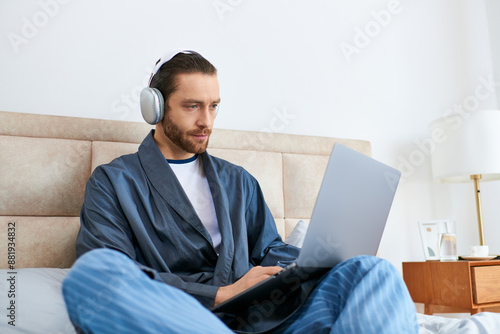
165	182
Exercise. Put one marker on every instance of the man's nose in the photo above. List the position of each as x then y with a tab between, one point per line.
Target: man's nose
205	117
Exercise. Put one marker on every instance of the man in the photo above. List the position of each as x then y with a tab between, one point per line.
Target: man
170	231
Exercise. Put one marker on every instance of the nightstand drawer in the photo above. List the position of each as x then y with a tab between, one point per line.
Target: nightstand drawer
486	284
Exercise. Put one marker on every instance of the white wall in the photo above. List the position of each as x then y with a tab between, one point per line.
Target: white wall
309	62
492	12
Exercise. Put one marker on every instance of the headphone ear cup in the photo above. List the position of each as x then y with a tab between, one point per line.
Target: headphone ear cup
152	105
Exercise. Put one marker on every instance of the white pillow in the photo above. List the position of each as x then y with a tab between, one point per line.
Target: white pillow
296	237
39	305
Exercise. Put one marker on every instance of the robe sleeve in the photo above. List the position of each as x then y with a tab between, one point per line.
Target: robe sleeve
264	242
104	225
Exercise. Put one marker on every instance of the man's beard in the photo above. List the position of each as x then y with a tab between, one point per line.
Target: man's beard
184	139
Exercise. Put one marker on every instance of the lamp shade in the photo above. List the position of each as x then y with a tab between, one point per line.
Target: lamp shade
466	144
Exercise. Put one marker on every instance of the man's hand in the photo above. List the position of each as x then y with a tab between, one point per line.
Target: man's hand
252	277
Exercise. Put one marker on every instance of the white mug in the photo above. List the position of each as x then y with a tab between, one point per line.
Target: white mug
479	251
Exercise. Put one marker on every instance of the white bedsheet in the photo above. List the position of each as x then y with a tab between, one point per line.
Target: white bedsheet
481	323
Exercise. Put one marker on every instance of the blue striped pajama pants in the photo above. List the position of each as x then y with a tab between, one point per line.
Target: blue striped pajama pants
105	292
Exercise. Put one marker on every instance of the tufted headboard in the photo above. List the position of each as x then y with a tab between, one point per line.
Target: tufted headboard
45	162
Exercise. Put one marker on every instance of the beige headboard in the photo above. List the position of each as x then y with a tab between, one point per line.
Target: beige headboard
45	162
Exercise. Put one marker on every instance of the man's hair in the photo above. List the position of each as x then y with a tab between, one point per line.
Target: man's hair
165	80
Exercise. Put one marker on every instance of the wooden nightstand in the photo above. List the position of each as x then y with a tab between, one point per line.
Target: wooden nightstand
469	286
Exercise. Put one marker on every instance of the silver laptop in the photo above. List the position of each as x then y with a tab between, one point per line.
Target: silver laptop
348	220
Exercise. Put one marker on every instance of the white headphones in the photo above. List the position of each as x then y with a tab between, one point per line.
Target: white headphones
152	101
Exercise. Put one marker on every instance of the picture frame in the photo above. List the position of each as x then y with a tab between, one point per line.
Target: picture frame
429	234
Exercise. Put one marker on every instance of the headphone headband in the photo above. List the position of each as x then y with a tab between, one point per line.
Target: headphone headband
165	58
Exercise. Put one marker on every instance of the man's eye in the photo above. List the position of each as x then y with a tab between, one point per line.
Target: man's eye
192	107
214	106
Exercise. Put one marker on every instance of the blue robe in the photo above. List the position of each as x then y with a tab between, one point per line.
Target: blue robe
136	205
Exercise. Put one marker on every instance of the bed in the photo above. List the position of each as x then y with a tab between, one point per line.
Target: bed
45	162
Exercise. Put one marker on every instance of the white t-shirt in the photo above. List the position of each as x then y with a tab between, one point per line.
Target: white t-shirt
192	177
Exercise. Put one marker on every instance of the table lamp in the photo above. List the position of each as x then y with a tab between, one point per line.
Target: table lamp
467	148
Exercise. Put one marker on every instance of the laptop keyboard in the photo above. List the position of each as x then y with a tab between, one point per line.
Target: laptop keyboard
288	267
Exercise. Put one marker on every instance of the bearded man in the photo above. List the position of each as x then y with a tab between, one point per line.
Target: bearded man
170	231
